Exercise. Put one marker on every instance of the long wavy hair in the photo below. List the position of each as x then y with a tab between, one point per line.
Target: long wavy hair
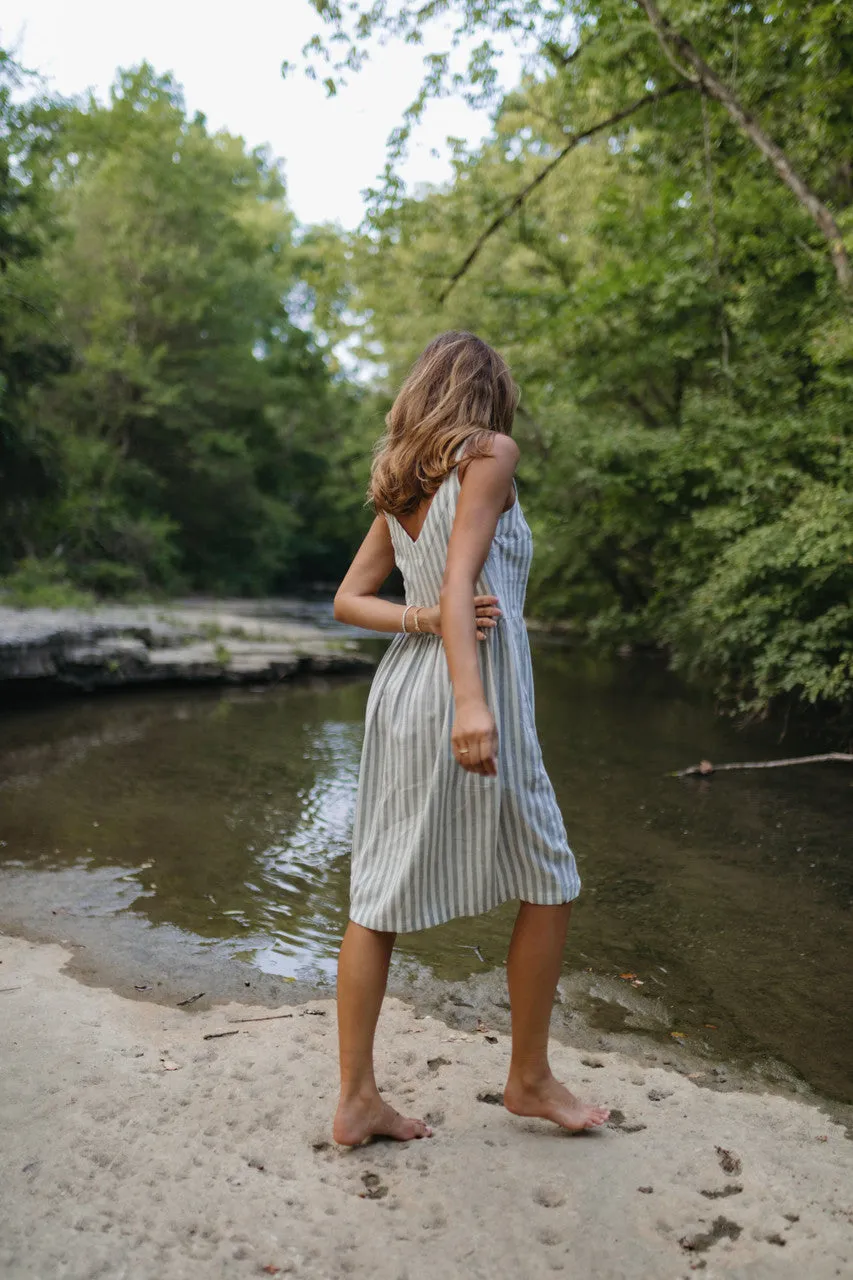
459	389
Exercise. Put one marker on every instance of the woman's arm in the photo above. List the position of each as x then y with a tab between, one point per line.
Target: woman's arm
482	498
356	601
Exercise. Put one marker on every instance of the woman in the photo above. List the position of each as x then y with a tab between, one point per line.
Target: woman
454	812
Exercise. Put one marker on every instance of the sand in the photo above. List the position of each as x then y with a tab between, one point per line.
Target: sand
135	1148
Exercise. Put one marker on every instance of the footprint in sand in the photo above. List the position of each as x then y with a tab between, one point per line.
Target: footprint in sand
435	1219
549	1197
618	1121
374	1187
730	1162
721	1229
494	1099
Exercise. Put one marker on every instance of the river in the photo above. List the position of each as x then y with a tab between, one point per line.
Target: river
217	823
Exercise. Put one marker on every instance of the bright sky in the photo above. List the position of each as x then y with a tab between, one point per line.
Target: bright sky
228	58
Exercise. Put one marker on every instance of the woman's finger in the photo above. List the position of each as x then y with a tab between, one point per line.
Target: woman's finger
479	757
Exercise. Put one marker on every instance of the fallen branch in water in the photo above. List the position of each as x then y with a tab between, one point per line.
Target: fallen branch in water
705	767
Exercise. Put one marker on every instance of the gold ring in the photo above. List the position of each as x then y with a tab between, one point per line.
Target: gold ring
464	751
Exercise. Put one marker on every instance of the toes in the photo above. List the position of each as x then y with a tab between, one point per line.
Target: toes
416	1129
404	1129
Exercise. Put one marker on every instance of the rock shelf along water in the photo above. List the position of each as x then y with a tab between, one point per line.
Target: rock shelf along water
108	647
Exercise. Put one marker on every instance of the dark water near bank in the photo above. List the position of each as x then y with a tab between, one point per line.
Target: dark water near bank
226	816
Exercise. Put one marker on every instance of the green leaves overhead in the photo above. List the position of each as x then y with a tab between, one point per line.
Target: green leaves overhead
170	410
674	311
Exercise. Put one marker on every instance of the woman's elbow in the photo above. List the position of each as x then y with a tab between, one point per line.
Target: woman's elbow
339	607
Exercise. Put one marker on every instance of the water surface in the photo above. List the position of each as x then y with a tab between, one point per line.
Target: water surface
224	818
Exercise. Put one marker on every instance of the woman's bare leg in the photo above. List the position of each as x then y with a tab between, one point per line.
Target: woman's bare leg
362	978
533	969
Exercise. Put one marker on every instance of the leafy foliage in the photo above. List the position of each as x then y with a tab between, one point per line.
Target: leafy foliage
672	313
166	424
171	415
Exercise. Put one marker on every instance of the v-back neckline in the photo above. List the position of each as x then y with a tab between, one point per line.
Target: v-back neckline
415	541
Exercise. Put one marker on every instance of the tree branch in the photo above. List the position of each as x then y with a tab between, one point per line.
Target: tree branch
705	767
574	140
558	55
675	44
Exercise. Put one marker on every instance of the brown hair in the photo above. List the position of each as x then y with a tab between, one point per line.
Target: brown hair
458	390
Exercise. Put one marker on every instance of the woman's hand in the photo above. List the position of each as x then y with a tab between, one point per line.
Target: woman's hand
486	614
475	739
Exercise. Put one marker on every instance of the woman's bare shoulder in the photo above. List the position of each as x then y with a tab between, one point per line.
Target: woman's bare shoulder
505	449
502	449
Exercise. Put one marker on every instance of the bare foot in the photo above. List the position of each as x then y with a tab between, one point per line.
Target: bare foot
550	1100
360	1118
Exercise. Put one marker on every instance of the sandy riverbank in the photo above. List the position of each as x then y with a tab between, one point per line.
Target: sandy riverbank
117	1165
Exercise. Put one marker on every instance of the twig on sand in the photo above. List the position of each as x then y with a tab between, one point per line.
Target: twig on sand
705	767
477	952
270	1017
190	1000
219	1035
2	989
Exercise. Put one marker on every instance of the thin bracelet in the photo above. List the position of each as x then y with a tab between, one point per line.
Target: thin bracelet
418	608
403	619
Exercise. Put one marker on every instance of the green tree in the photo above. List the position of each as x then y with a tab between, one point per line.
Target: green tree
196	415
32	347
655	235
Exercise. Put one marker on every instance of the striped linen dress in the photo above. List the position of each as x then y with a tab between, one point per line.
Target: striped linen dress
432	841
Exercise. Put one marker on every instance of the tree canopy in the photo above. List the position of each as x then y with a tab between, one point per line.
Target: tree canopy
656	233
644	237
166	423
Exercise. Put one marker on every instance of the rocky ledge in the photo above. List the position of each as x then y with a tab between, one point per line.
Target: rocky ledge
115	646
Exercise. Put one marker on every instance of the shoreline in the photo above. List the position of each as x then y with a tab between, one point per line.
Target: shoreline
177	643
139	1148
161	965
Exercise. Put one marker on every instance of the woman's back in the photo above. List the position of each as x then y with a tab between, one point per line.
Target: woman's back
422	561
432	841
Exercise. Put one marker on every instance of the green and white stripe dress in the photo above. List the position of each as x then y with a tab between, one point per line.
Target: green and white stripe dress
432	841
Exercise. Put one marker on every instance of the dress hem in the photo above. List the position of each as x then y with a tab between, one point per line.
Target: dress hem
466	915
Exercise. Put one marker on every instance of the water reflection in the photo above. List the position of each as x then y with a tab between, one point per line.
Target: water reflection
229	816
